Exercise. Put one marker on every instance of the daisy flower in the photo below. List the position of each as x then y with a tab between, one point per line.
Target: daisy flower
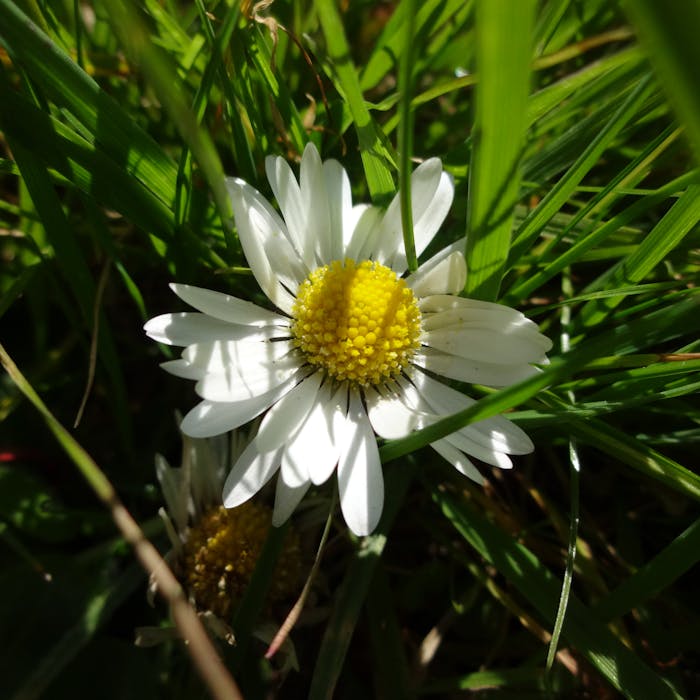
213	551
354	346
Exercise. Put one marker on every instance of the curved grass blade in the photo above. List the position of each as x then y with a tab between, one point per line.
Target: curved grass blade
620	666
375	157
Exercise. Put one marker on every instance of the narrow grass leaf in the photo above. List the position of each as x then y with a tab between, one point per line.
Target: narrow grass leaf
657	574
669	32
70	87
351	594
616	663
628	450
566	185
680	220
375	157
504	53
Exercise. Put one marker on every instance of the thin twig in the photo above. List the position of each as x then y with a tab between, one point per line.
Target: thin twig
294	613
102	283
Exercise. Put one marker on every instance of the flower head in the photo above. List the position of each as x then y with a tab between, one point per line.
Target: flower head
214	550
353	345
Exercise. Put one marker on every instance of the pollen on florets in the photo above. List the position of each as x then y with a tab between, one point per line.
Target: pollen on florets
358	321
220	554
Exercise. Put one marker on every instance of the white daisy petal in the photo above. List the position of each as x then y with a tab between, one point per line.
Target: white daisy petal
314	451
226	307
430	207
342	218
175	491
442	311
220	356
472	371
182	369
249	474
471	312
496	432
210	418
431	197
296	216
458	460
187	328
314	199
260	230
285	417
429	216
360	479
447	276
464	440
239	382
287	498
390	417
365	234
321	466
485	344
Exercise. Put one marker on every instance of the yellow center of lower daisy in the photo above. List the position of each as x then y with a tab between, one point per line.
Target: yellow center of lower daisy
358	321
220	554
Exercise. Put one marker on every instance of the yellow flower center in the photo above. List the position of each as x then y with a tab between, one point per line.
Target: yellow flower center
358	321
220	554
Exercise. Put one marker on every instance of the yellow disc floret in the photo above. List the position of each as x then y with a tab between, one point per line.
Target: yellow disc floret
358	321
220	554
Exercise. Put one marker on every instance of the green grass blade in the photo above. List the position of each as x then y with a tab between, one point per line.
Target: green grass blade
620	666
504	54
163	78
658	573
70	87
405	145
352	592
77	276
566	185
85	164
680	220
669	30
628	450
375	157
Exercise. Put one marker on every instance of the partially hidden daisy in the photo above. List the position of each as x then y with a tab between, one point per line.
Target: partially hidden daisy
354	346
213	551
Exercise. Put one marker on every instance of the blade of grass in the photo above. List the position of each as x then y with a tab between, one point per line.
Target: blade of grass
658	573
617	664
668	31
163	78
375	157
680	220
352	592
504	53
200	647
565	186
66	84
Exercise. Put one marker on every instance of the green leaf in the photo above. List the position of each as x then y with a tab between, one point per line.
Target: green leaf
504	53
669	33
70	87
375	157
618	664
680	220
352	592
